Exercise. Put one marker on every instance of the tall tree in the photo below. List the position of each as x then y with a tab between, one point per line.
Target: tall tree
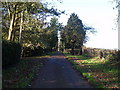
73	35
18	16
53	29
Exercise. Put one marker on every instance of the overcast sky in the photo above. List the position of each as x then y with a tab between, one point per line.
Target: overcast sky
98	14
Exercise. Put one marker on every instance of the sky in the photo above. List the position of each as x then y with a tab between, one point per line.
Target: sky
96	13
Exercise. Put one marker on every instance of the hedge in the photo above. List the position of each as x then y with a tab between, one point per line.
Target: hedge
34	51
96	52
11	52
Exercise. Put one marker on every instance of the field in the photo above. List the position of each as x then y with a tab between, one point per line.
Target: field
99	72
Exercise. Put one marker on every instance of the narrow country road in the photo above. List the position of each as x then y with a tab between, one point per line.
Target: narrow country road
58	73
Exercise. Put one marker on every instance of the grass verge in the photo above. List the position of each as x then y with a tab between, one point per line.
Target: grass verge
99	72
21	74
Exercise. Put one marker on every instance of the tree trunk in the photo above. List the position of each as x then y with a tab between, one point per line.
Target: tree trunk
14	31
11	27
8	8
13	36
11	22
9	36
21	25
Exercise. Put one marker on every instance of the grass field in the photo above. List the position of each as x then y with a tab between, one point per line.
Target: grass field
99	72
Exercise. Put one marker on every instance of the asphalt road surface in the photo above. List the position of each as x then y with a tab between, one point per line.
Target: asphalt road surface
58	73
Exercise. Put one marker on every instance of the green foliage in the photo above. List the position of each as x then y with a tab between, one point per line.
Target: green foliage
11	53
52	32
21	75
26	22
27	51
73	36
115	56
101	73
34	51
101	53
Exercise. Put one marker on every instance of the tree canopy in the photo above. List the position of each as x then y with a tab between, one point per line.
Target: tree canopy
74	33
24	22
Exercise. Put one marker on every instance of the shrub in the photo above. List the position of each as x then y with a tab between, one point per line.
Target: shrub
27	51
34	51
115	57
11	52
46	50
38	51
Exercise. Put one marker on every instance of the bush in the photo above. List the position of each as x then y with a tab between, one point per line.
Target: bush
34	51
46	50
115	57
27	51
11	53
118	55
38	51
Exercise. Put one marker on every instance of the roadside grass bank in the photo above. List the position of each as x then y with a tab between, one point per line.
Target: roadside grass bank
21	74
99	72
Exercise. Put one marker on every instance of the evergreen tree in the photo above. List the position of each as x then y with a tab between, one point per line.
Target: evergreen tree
73	35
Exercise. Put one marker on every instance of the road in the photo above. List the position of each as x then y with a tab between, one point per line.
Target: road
58	73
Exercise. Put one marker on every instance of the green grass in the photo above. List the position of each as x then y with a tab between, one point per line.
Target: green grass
21	74
99	72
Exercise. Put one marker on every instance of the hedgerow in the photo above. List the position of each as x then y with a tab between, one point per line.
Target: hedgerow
96	52
11	52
